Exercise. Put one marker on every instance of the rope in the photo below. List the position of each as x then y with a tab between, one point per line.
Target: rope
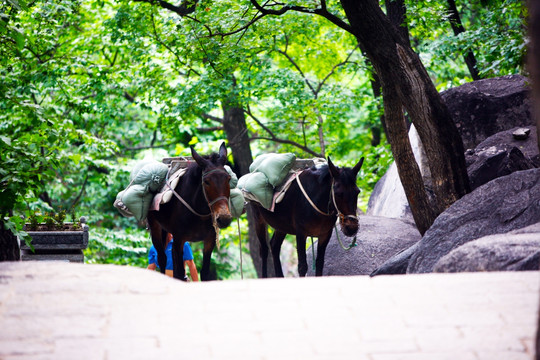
240	242
312	255
353	243
341	216
308	198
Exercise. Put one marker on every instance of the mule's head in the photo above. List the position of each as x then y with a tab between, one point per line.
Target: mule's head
215	182
346	195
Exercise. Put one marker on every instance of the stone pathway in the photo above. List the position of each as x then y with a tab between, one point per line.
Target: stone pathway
53	310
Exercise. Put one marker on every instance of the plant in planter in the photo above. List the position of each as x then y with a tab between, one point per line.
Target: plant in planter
54	239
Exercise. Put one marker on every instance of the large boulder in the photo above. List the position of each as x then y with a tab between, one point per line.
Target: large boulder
485	107
528	145
480	109
500	206
388	197
514	251
378	239
495	161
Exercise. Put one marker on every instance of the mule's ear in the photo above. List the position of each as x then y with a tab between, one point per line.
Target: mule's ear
223	153
198	158
333	170
358	166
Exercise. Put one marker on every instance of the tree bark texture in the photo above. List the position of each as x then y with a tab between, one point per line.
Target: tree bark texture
9	247
408	169
534	69
457	27
534	59
403	76
396	12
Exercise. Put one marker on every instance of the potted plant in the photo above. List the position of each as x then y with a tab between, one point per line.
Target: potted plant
52	238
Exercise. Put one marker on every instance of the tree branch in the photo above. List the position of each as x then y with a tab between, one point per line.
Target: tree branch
211	117
183	9
274	138
289	142
322	11
346	61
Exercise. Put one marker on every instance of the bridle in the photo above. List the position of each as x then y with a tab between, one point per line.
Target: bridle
210	203
342	217
219	198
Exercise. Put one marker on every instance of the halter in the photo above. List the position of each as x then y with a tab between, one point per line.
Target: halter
210	203
341	216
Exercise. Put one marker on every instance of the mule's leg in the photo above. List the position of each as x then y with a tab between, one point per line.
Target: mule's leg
321	249
275	243
261	231
301	251
158	237
209	244
179	272
161	255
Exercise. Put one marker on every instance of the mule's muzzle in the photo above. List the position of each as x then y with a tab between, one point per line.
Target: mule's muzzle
349	225
223	220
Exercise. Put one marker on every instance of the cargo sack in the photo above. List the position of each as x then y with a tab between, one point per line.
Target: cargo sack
137	199
255	186
275	166
237	203
234	179
151	174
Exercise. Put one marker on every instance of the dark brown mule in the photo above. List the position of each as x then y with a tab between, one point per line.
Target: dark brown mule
200	204
332	192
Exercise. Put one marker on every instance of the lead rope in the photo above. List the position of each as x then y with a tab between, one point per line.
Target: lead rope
353	243
342	217
240	242
313	254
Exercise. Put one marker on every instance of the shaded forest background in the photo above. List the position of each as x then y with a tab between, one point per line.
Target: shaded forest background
88	88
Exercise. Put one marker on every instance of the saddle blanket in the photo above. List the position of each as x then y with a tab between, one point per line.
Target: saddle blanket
166	193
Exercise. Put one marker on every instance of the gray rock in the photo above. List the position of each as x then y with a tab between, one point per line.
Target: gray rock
485	107
500	206
529	146
388	197
398	263
521	133
501	252
378	239
495	161
480	109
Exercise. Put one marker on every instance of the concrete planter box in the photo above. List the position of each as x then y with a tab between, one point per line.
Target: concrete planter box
56	245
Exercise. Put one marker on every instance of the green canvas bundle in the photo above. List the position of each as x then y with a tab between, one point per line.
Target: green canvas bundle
255	186
267	172
147	177
236	203
274	166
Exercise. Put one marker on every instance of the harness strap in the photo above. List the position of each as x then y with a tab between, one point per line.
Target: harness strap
308	198
342	217
186	204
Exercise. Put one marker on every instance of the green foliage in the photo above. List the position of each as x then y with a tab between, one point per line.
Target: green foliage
87	88
494	32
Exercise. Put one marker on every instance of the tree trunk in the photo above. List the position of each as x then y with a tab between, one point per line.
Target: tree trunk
408	169
534	69
457	27
403	77
9	247
234	125
397	14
